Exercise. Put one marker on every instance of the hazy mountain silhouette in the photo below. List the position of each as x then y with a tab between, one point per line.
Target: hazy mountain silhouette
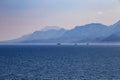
94	32
51	28
115	33
86	33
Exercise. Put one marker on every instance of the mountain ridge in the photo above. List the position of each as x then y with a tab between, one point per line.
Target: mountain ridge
94	32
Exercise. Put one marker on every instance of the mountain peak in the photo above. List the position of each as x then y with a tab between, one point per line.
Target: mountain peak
92	25
95	24
51	28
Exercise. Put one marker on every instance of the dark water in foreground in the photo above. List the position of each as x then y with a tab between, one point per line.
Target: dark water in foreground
59	62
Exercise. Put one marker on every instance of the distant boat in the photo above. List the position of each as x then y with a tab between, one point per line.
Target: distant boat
87	44
75	44
58	43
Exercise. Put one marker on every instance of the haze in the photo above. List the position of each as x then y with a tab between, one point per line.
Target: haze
20	17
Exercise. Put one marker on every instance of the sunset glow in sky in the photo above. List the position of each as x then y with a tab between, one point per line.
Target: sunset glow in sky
20	17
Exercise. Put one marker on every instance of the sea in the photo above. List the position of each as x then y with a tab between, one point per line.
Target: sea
59	62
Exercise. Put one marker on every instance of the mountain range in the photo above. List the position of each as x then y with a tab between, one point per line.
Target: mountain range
94	32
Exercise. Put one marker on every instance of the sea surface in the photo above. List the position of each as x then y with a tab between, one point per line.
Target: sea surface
59	62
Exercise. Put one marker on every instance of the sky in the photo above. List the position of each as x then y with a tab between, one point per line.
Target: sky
20	17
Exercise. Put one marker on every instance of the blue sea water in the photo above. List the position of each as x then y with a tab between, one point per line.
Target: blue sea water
59	62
